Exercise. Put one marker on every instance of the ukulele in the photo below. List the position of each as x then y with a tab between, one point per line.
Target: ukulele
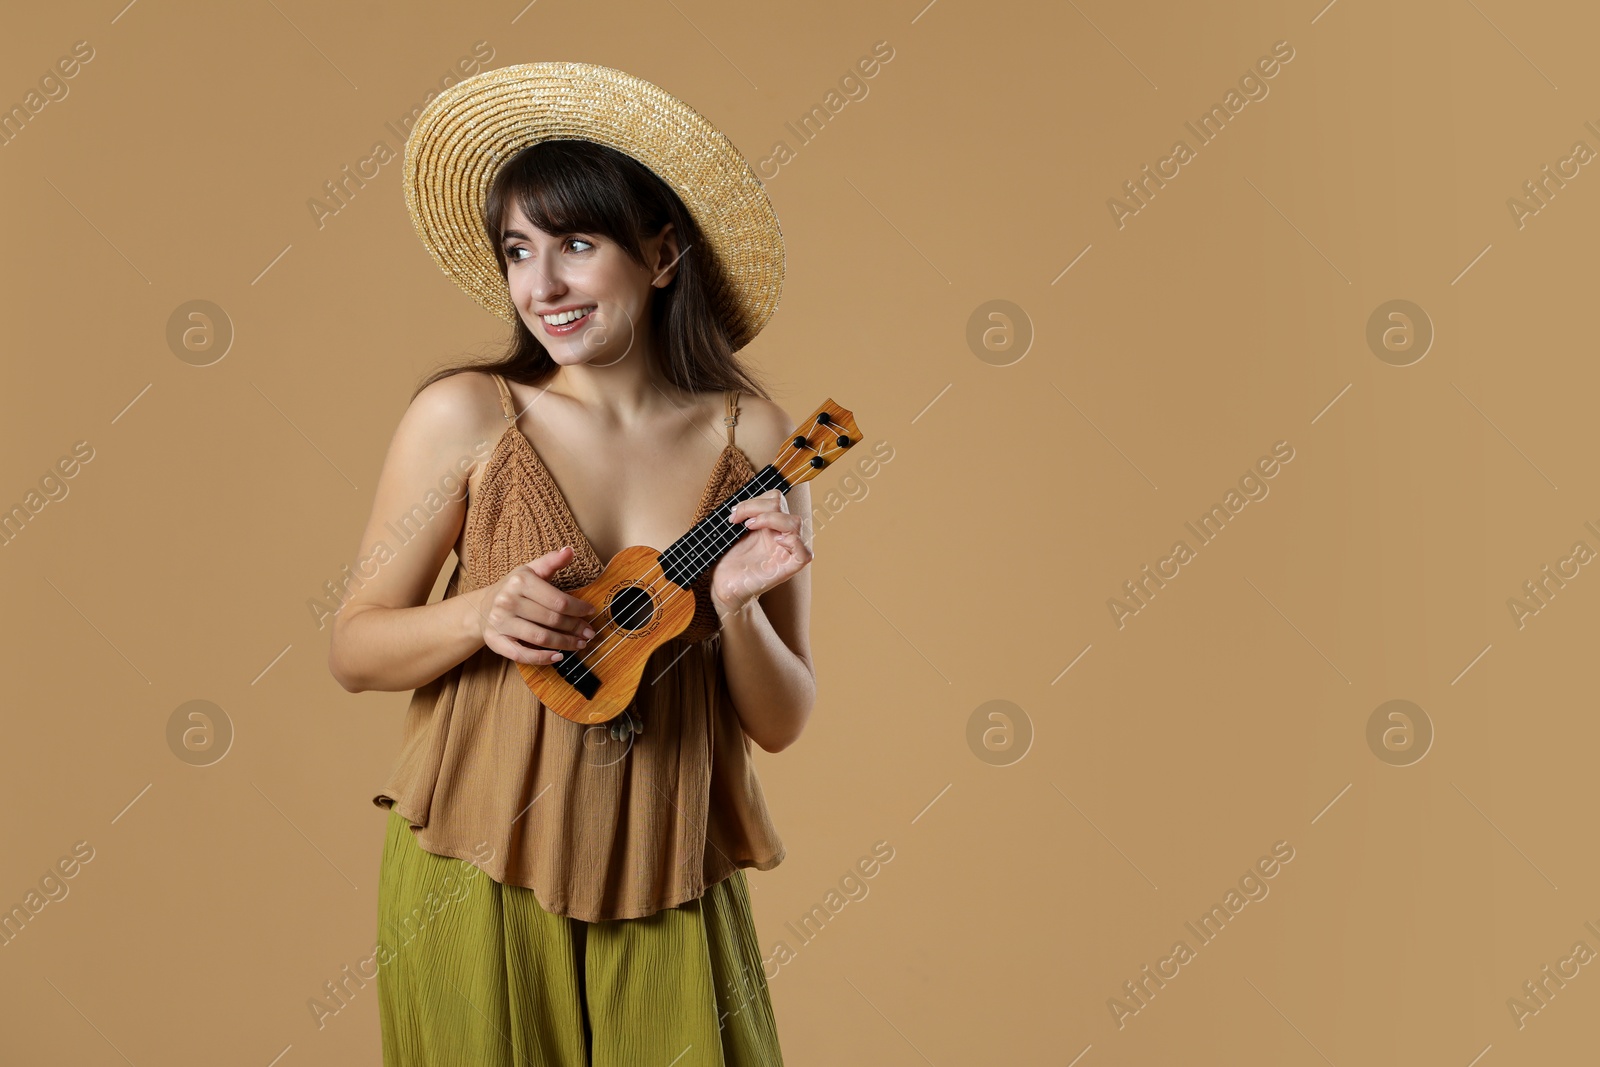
644	596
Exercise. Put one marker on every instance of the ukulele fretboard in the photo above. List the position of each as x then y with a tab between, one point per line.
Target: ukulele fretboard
697	551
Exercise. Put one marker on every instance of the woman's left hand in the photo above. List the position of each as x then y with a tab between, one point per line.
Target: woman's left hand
767	556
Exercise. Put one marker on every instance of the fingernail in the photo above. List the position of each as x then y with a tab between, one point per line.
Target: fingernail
555	657
588	632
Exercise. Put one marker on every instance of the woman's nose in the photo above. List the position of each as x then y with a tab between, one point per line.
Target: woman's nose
547	281
545	291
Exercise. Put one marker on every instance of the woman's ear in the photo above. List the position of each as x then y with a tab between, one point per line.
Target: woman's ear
667	254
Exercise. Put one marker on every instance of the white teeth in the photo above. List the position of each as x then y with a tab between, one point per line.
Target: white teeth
562	318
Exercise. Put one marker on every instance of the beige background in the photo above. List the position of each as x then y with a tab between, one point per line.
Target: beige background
1230	714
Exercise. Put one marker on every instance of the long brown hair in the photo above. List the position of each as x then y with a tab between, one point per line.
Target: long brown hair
573	186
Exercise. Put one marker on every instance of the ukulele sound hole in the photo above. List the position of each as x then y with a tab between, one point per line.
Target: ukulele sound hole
631	609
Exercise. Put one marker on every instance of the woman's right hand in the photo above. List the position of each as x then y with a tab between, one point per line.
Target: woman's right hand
524	609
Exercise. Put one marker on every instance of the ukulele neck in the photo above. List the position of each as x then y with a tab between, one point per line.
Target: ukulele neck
697	551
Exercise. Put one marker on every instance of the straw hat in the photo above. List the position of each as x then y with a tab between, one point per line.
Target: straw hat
466	132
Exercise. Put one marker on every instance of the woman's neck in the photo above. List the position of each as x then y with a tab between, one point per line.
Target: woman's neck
626	393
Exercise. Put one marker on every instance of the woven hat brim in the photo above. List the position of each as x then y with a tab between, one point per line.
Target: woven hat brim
468	131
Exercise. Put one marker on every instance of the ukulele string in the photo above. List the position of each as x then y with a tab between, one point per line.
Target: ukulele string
704	546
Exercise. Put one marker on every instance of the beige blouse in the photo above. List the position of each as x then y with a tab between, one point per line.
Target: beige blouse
597	828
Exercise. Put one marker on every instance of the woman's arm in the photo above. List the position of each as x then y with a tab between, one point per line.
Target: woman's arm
386	636
766	639
766	654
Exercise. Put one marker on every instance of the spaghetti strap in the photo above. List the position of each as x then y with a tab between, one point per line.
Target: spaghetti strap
507	407
731	419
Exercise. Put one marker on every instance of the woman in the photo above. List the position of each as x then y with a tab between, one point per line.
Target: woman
552	894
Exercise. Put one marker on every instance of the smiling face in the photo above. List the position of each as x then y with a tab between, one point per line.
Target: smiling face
581	294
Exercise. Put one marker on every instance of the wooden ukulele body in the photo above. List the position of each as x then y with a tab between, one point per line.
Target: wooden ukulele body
641	609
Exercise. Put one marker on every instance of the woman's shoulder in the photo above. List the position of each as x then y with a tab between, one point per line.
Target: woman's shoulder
763	432
762	427
467	400
458	414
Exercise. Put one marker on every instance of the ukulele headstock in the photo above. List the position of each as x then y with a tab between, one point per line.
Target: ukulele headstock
819	439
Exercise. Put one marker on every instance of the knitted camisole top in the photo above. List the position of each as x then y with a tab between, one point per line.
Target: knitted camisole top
597	828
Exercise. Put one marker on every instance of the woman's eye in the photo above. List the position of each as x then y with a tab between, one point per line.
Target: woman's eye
513	252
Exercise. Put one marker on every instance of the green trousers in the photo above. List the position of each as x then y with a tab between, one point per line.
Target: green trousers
473	972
